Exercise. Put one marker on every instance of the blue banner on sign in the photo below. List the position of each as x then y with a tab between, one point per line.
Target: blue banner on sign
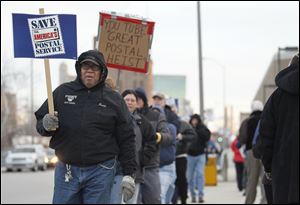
45	36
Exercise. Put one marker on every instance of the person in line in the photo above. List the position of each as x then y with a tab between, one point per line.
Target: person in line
253	165
91	127
278	141
239	164
145	150
196	158
151	188
185	136
167	170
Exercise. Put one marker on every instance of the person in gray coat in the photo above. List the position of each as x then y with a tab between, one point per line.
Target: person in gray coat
151	188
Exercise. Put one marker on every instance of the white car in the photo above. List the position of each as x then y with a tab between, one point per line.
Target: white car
31	157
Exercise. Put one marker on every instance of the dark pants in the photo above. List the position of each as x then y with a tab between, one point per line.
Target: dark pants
269	193
181	181
239	167
150	189
268	189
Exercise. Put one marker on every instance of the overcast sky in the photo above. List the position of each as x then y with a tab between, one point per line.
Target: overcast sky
239	36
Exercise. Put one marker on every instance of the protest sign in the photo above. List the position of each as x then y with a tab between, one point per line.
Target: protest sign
45	36
125	42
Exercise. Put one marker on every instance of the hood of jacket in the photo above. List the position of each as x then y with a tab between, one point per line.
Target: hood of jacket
196	116
96	56
288	79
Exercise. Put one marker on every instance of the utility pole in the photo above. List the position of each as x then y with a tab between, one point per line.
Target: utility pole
200	61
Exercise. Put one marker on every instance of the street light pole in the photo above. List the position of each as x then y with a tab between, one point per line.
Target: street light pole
201	95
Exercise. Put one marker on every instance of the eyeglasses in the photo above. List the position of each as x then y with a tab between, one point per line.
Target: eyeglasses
86	66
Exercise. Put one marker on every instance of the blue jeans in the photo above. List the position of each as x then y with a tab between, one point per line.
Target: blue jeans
88	185
167	175
195	174
116	190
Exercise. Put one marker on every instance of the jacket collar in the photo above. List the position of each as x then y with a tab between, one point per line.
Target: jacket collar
78	85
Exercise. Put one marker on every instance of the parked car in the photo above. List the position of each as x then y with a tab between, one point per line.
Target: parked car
31	157
52	158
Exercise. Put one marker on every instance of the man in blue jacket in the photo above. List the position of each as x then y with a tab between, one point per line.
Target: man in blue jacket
92	128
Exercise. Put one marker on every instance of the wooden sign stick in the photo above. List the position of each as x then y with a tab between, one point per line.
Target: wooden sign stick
48	79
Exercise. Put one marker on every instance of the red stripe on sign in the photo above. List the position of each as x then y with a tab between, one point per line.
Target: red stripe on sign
150	27
150	24
144	70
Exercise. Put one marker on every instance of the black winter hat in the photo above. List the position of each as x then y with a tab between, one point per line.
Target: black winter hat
97	57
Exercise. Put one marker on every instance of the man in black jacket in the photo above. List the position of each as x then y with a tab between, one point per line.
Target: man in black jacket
92	128
196	158
278	143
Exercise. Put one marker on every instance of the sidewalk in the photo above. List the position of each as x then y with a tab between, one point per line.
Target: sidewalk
225	192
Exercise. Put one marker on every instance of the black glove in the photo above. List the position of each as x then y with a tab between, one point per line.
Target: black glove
50	122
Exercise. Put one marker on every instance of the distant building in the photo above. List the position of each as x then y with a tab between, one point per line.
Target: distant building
174	86
132	80
171	85
280	61
8	118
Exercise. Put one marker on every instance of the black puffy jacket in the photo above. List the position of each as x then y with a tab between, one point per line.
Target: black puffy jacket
159	124
188	136
198	146
145	144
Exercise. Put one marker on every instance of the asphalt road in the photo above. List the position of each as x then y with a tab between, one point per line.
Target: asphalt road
27	187
37	188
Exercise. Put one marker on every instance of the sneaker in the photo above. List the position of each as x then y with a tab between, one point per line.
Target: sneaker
201	200
193	199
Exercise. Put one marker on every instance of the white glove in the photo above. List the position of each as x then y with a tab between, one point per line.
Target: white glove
50	122
128	188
